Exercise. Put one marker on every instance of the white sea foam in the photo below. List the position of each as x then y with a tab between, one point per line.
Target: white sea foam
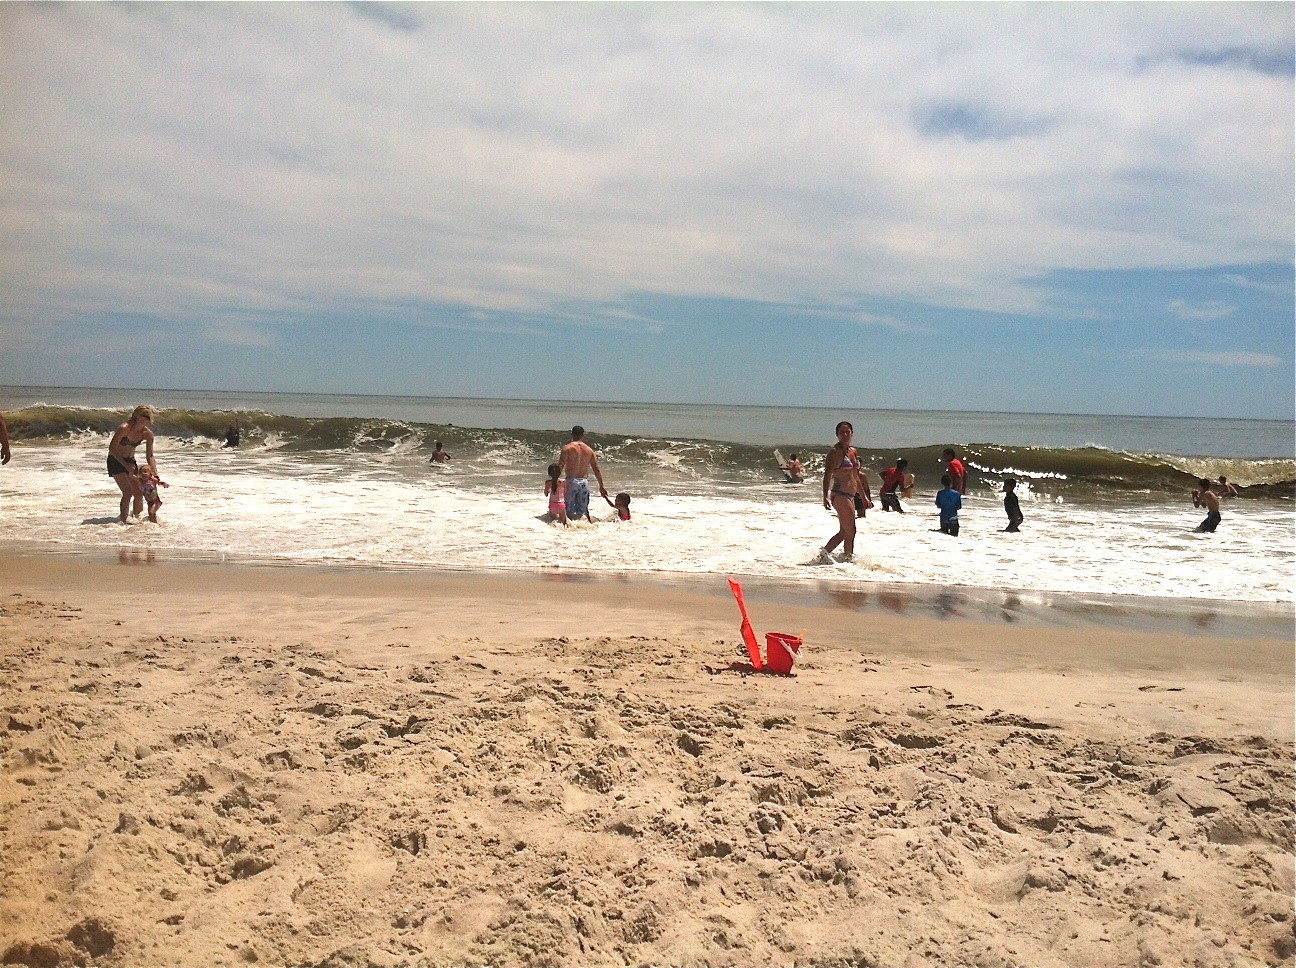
383	511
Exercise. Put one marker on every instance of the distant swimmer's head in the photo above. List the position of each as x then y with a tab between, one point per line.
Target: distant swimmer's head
623	500
1204	484
578	432
948	453
901	463
1010	483
946	480
140	414
794	457
554	470
438	445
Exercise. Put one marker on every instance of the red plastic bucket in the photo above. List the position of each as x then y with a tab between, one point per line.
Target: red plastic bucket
781	651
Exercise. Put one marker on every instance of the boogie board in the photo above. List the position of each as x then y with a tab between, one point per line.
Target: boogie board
788	478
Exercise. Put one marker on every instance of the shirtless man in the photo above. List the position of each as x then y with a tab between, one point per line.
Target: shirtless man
1205	498
576	460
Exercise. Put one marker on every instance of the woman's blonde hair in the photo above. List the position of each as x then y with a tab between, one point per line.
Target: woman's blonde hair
141	412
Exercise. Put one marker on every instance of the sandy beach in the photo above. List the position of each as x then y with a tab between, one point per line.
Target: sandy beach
209	765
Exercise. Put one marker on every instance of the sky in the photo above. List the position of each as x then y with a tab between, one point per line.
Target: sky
1067	207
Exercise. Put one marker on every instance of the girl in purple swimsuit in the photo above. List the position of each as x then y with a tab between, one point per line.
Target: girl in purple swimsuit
841	482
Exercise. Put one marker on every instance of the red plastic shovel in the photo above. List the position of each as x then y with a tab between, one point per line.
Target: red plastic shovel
749	636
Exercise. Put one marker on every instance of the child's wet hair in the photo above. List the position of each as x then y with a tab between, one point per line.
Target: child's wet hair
623	498
554	470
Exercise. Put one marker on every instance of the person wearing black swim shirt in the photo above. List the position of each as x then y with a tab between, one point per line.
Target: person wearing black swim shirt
4	441
233	434
1012	507
121	458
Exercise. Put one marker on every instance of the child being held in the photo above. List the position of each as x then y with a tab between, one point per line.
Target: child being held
622	505
149	483
556	490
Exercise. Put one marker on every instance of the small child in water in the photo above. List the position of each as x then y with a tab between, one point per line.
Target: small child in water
1012	507
555	489
149	483
622	505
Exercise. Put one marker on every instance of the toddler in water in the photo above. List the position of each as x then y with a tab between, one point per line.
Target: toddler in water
149	483
622	505
556	490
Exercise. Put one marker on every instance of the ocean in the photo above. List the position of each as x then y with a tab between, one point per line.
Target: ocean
346	479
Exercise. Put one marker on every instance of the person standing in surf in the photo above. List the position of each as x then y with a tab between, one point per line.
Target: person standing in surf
949	501
4	441
794	470
233	433
577	460
840	485
121	458
957	472
1012	506
556	491
893	479
1206	498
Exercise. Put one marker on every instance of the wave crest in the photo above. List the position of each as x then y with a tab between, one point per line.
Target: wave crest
1059	469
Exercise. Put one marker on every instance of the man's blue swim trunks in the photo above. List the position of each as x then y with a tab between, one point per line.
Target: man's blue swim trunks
578	497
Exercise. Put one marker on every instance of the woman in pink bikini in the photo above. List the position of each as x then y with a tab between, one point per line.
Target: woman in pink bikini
841	482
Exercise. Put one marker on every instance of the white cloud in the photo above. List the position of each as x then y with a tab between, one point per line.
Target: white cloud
1260	360
200	161
1201	312
1245	282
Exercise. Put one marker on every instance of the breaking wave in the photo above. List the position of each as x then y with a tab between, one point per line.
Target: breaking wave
1060	470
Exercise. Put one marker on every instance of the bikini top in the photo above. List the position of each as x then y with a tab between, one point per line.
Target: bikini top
847	464
125	441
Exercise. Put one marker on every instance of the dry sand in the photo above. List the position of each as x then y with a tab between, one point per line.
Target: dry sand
214	765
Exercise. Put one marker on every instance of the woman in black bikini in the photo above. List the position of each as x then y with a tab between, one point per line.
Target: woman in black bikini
121	458
841	482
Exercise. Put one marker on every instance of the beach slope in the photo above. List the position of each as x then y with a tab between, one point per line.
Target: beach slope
213	765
